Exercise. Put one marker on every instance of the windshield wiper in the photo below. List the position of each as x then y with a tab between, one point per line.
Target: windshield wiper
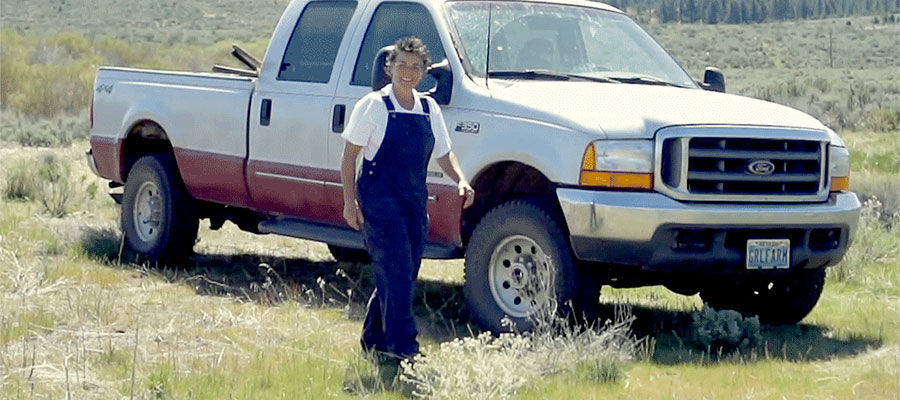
545	74
644	80
529	74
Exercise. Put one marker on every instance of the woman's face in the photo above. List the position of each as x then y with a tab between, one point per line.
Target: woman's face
406	71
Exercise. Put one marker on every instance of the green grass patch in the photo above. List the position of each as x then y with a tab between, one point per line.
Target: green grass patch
25	324
271	374
114	362
874	152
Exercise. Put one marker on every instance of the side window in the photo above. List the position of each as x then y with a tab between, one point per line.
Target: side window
391	22
313	46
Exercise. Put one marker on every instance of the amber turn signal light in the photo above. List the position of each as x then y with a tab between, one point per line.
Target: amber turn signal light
617	180
610	179
840	183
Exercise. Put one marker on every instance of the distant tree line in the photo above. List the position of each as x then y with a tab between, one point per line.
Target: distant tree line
748	11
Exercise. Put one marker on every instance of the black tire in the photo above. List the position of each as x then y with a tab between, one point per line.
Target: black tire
345	254
781	300
170	230
503	231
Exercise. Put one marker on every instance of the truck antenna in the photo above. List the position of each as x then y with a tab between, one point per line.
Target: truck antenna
487	58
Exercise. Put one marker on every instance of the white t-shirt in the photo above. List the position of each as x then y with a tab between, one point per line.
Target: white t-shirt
368	122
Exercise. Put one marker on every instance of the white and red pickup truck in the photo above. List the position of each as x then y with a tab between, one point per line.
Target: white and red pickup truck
595	157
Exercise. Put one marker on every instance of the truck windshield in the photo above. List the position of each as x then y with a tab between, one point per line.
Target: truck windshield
539	40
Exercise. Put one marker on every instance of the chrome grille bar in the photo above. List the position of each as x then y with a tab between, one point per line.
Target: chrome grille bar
742	164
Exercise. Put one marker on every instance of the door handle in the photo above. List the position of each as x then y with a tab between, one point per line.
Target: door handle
337	118
265	112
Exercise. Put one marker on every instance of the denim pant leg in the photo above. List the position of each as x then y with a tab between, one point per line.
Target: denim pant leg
389	324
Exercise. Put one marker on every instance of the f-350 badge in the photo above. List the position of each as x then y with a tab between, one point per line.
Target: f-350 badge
467	127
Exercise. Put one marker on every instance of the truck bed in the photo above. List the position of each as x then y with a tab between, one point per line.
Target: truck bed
203	114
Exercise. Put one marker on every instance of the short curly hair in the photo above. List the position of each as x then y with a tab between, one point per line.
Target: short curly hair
410	44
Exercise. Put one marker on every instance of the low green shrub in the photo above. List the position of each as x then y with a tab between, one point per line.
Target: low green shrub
724	331
56	131
875	243
50	183
885	120
58	195
21	183
884	189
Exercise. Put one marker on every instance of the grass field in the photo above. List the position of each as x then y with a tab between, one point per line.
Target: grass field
273	317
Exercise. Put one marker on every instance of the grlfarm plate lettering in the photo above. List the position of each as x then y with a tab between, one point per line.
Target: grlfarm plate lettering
768	254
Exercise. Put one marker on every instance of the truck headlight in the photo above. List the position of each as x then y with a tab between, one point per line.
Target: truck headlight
619	164
839	168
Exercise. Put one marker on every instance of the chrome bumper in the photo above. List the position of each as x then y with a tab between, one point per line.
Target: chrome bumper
639	227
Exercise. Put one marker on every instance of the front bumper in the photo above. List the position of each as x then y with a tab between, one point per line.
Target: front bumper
659	233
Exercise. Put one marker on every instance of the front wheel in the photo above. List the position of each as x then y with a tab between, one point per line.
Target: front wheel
518	262
781	300
158	215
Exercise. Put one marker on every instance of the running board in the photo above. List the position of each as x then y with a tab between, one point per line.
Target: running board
343	237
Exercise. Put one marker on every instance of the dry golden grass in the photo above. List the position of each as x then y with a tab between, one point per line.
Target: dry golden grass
273	317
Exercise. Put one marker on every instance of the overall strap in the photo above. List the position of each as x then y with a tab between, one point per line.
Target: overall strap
388	104
425	106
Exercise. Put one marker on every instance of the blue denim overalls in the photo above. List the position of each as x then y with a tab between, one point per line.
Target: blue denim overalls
393	196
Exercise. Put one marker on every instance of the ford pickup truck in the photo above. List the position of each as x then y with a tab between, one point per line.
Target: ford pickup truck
596	159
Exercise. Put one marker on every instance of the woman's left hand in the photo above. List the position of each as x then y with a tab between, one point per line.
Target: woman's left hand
466	191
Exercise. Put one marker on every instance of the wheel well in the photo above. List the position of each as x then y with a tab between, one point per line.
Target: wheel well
145	137
500	183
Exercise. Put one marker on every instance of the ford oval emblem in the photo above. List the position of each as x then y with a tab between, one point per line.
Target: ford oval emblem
761	167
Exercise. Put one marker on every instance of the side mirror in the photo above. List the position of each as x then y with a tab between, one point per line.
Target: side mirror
380	79
444	77
713	80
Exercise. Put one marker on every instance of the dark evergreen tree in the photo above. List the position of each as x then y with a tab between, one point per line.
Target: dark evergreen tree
803	9
711	16
734	13
667	11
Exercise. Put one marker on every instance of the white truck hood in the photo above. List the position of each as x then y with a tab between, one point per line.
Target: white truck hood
633	111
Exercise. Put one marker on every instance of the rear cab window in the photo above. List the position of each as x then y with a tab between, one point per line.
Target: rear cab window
314	43
391	21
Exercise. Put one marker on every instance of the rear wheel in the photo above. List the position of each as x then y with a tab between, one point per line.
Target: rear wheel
518	262
781	300
159	217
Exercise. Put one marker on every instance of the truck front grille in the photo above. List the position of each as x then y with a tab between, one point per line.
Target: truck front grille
722	168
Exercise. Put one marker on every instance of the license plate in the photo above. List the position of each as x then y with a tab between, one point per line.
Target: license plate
768	254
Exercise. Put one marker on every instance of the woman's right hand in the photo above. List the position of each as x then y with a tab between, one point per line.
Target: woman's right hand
352	214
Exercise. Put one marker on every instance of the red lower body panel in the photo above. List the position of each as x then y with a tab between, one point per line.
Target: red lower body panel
108	153
294	190
213	177
271	187
302	192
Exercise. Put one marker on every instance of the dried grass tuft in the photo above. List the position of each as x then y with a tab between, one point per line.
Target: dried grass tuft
488	367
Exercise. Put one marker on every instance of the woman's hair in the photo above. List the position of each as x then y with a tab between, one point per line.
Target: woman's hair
410	44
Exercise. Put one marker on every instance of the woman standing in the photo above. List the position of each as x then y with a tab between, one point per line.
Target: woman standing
398	131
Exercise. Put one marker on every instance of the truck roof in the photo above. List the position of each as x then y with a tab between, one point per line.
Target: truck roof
581	3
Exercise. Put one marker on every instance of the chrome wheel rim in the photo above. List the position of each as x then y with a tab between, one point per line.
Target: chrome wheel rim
519	276
147	212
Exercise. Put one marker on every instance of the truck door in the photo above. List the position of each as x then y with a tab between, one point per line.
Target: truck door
390	21
290	116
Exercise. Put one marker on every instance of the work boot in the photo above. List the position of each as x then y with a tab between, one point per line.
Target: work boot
387	367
